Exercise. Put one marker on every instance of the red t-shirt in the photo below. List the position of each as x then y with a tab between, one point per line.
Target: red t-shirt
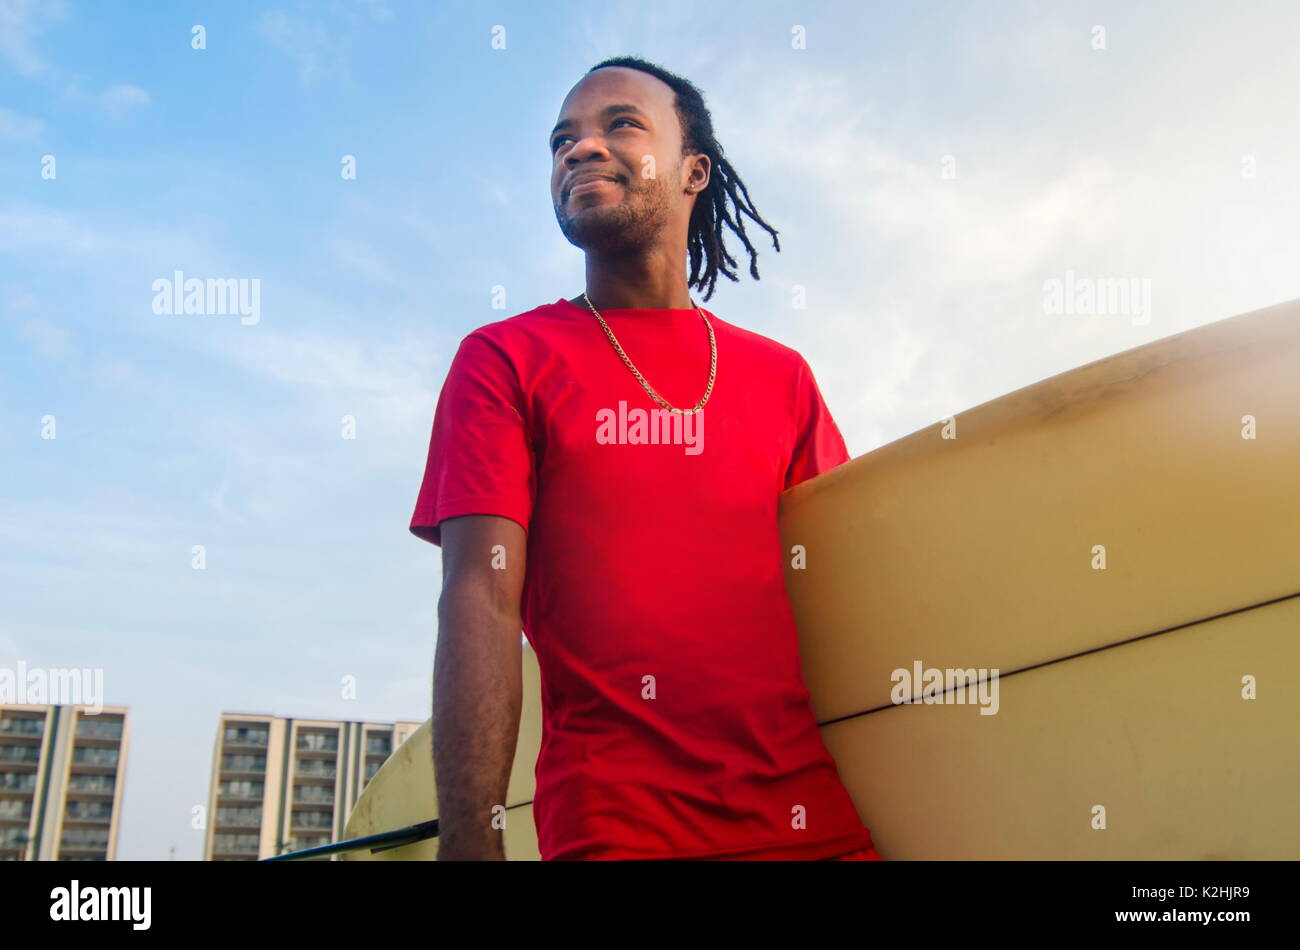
676	723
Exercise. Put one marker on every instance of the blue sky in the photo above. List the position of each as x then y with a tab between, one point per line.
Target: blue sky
924	291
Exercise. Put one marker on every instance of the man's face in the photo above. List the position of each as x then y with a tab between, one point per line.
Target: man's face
614	123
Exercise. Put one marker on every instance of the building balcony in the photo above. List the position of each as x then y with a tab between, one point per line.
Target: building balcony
303	797
82	811
245	764
84	839
318	744
95	728
20	754
79	790
248	738
244	774
242	746
92	755
315	768
22	728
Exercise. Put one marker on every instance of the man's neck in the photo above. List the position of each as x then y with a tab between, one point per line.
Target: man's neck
643	293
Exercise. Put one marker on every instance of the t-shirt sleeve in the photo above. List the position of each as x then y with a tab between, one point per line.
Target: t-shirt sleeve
818	446
480	454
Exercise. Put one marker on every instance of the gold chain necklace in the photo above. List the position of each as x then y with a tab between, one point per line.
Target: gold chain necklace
713	360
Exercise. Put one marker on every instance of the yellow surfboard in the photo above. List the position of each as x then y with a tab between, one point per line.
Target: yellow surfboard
1112	556
402	792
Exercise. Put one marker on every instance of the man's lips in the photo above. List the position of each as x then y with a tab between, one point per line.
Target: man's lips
590	184
590	180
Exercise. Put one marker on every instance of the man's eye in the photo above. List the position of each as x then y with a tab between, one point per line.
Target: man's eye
561	138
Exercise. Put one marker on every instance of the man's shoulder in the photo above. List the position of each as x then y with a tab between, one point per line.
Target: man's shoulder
776	356
540	319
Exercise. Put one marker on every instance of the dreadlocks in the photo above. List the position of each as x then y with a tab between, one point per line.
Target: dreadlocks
704	238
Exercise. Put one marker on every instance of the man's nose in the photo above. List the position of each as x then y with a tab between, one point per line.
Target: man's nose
584	148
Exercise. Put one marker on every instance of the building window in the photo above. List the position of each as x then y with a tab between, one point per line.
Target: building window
84	838
243	763
20	753
235	844
13	837
236	788
247	735
97	784
312	819
15	808
90	755
318	741
89	811
96	728
313	794
316	768
22	726
240	817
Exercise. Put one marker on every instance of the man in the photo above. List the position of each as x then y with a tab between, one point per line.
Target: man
576	494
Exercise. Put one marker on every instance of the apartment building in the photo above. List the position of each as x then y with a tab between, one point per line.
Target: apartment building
281	784
62	771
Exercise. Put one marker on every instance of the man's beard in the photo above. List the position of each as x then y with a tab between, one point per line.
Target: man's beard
630	224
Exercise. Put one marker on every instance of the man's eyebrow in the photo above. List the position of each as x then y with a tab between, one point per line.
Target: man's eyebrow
605	112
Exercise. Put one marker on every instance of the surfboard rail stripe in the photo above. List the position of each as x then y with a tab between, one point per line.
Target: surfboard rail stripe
1062	659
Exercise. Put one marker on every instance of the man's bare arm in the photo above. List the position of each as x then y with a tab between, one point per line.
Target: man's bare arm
477	685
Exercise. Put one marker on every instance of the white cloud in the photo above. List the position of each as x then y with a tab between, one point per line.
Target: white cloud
46	337
309	43
387	381
363	262
116	372
377	9
495	192
19	128
320	45
925	293
21	22
121	99
25	229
